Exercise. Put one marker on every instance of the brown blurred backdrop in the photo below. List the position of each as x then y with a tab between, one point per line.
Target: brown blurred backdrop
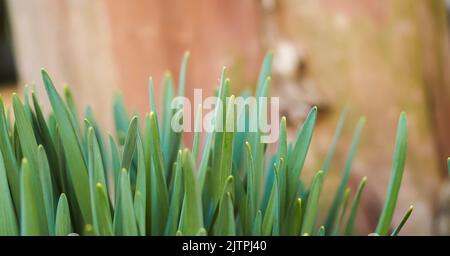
379	57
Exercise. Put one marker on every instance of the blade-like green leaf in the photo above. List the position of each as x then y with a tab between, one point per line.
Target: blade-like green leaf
312	206
30	152
9	160
336	136
47	188
167	109
223	157
115	159
281	161
129	226
264	73
271	214
89	116
403	221
30	223
223	221
297	158
160	197
353	209
8	219
121	119
251	199
75	162
226	217
103	223
141	188
63	225
338	224
101	211
257	224
72	109
209	137
176	198
49	145
332	214
130	144
259	148
384	223
147	145
182	80
191	219
153	102
198	124
294	219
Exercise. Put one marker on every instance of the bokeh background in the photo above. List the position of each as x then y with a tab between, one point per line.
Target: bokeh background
378	57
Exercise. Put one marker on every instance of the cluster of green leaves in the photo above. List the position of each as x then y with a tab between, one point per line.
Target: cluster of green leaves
59	175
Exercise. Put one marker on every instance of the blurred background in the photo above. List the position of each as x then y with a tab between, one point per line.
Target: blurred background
379	57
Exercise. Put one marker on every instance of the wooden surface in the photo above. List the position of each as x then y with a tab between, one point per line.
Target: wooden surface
380	58
101	47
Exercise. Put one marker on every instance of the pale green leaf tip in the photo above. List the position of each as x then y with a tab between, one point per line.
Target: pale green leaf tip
403	116
88	228
363	119
167	73
364	180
